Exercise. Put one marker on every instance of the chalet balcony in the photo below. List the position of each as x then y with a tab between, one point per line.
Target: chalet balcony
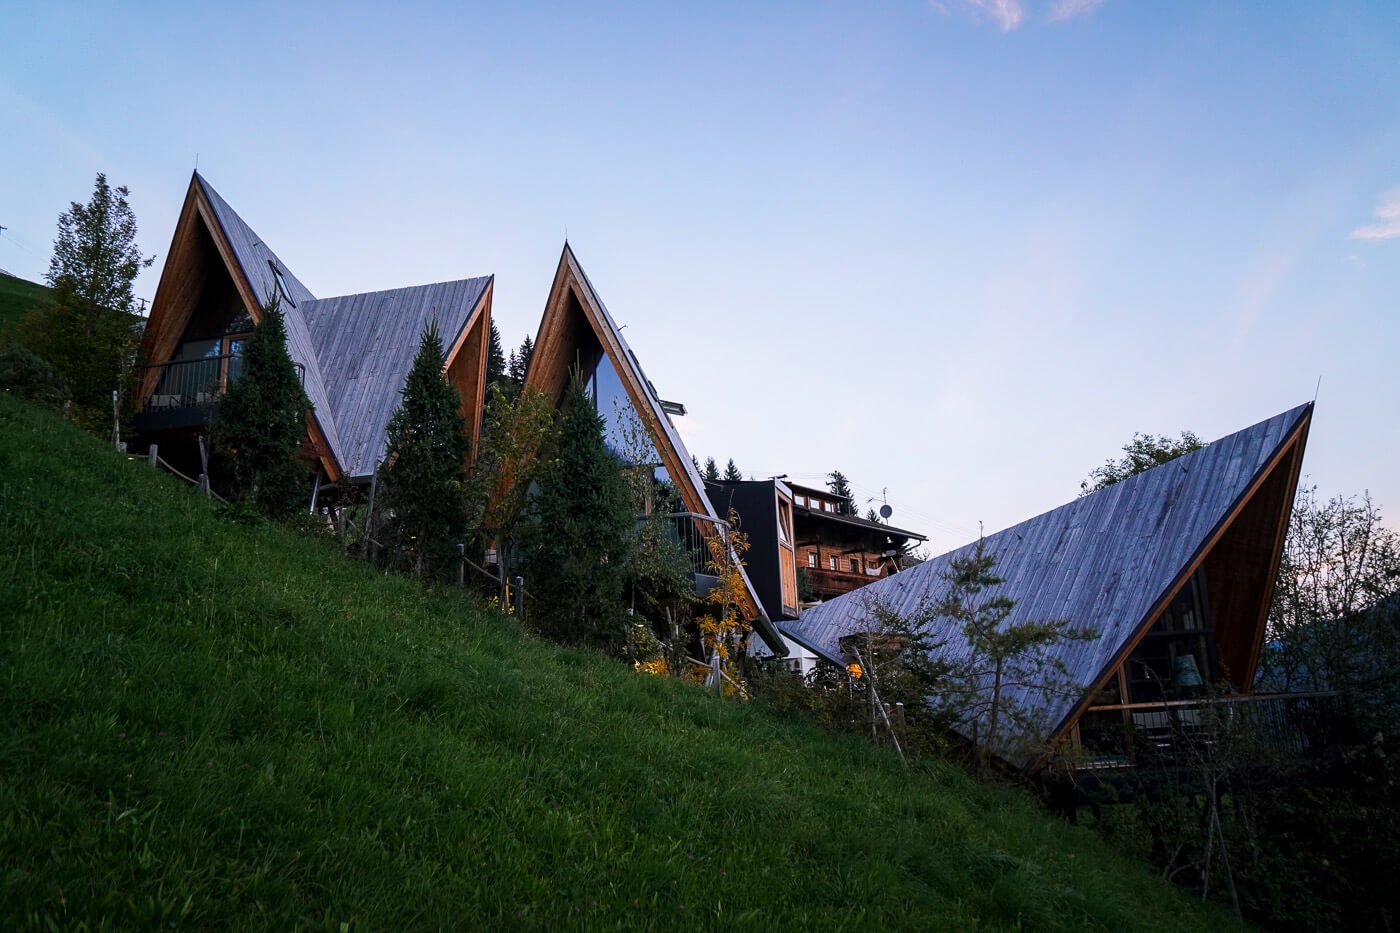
187	391
1245	731
837	582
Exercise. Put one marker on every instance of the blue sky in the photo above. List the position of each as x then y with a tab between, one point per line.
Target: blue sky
959	250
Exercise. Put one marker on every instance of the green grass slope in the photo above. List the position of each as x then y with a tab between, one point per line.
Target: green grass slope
17	296
210	724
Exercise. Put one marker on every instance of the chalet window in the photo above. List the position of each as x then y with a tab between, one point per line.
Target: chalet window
784	523
831	563
855	565
811	558
281	283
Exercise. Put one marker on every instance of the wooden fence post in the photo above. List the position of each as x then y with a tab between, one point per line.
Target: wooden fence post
153	456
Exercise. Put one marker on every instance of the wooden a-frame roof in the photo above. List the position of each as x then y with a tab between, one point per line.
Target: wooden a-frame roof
355	350
575	327
1112	562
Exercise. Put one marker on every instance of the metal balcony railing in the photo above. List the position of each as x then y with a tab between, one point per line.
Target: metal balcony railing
182	384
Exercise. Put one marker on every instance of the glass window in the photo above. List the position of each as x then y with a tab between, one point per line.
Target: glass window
811	558
831	563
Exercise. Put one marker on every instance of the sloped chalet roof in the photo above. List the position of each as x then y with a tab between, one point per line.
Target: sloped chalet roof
356	350
574	310
1113	560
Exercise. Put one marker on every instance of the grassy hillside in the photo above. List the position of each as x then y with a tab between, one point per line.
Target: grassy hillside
17	296
223	725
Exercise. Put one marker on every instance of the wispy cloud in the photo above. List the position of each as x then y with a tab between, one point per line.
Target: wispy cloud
1007	15
1387	214
1065	10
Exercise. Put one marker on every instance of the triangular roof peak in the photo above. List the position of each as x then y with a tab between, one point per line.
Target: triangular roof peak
577	330
1112	561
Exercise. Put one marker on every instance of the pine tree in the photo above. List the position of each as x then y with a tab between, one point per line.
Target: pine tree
577	554
520	362
88	330
424	478
731	472
495	358
711	472
839	486
259	425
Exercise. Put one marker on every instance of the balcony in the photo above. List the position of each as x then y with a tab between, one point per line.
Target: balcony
837	582
186	391
1234	731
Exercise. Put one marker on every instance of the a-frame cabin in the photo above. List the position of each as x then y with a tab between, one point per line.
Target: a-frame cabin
1172	570
578	335
353	351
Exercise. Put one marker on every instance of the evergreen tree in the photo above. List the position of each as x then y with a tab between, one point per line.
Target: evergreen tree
495	358
711	471
520	362
839	486
424	476
731	472
88	330
577	554
260	423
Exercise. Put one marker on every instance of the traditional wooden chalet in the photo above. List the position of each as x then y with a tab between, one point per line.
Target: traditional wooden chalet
1172	570
353	351
837	550
578	335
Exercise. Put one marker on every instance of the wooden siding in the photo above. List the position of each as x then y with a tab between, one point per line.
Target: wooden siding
368	343
1112	560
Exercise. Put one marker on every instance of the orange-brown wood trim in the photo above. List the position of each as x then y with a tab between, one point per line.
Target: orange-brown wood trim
254	309
161	334
569	279
318	440
1284	449
479	320
1295	472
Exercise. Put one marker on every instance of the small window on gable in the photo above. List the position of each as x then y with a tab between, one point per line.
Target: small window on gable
282	290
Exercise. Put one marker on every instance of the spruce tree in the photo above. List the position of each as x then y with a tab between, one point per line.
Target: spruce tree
495	358
711	472
731	472
259	425
578	551
838	484
520	362
424	475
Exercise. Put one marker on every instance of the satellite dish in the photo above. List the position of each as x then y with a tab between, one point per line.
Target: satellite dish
886	511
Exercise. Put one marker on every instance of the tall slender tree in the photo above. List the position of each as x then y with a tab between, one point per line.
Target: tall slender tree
732	473
424	475
88	330
711	471
259	425
577	553
495	358
520	362
838	484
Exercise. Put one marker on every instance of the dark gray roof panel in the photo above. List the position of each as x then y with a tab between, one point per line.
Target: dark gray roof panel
1102	561
368	343
254	256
